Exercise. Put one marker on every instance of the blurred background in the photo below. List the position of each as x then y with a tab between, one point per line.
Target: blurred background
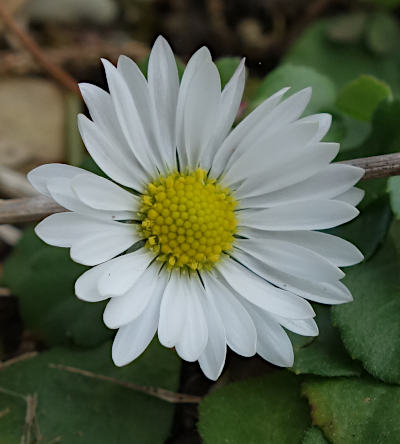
47	45
37	116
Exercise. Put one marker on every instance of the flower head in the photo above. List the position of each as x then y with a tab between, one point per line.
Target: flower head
204	234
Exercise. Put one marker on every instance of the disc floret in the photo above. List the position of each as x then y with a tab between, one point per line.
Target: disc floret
188	219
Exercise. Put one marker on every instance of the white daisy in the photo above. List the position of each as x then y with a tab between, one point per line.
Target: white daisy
221	221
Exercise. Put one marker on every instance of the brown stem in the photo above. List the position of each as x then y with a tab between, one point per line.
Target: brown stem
35	208
74	55
378	166
165	395
27	209
59	74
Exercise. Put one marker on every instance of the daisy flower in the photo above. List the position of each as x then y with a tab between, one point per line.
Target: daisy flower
203	233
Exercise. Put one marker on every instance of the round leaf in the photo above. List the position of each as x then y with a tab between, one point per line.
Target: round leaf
370	326
262	410
355	411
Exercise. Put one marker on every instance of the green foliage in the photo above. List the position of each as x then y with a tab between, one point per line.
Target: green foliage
12	416
262	410
347	28
298	77
325	355
43	278
226	67
355	411
394	192
79	409
370	326
360	97
383	33
342	63
314	436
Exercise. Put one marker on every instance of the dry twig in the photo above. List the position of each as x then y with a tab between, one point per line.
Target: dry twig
75	55
20	358
165	395
15	184
9	234
27	209
378	166
54	70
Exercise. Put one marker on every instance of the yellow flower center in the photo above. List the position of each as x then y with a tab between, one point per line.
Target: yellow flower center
187	219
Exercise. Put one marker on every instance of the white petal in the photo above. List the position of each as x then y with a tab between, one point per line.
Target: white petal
324	123
309	215
173	310
105	140
262	294
328	183
63	229
120	167
129	118
270	151
132	339
86	284
229	105
164	87
353	197
289	170
236	136
273	343
277	120
324	292
123	309
194	335
61	191
212	359
201	111
291	258
239	328
124	273
304	327
40	176
200	56
138	87
92	241
102	246
102	194
335	249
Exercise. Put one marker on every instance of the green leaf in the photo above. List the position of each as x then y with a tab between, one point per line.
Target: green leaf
383	33
360	97
342	63
12	415
370	326
226	67
394	193
298	77
43	278
347	28
325	355
79	409
385	134
355	411
314	436
261	410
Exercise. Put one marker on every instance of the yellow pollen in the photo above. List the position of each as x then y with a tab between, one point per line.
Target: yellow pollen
187	220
